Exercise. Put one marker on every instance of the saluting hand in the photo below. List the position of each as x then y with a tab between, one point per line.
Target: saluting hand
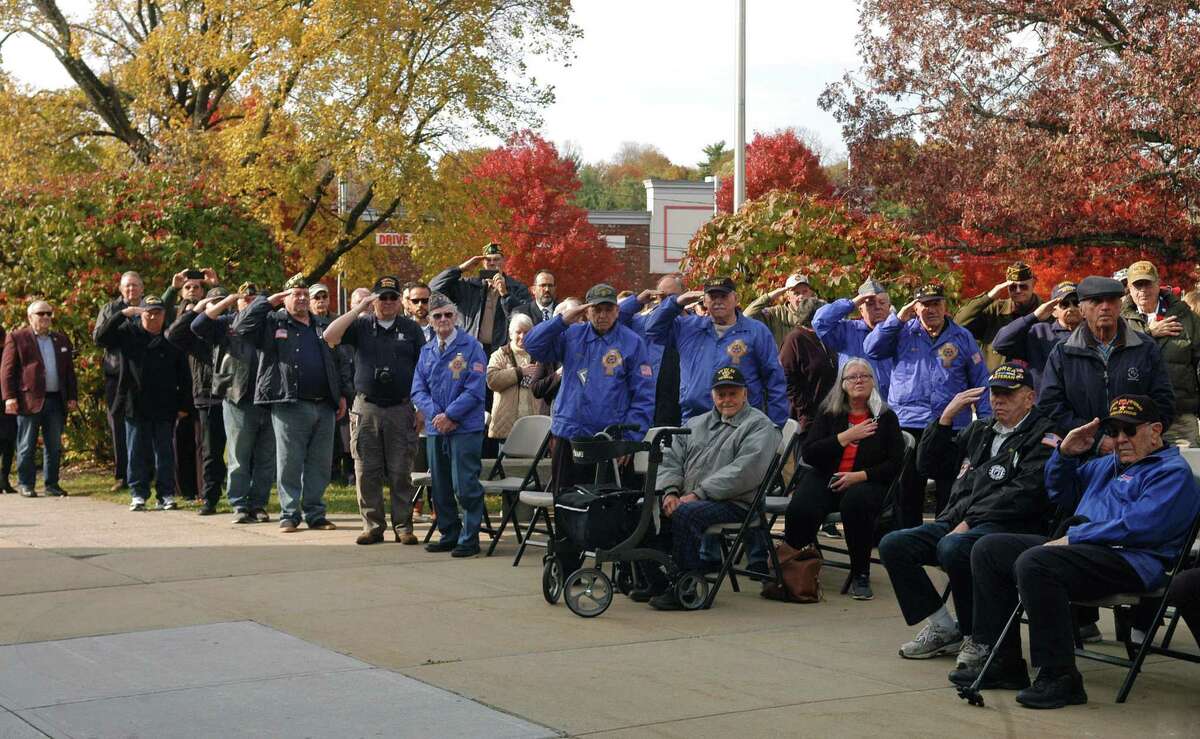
689	297
908	312
647	296
1046	310
959	403
575	314
999	290
133	310
1080	440
276	300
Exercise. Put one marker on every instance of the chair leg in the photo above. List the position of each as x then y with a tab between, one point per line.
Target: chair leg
727	555
496	534
1143	650
530	528
846	584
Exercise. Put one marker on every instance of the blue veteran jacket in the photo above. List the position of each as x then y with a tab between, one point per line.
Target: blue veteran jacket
451	382
928	372
1143	510
846	337
748	345
1031	340
606	379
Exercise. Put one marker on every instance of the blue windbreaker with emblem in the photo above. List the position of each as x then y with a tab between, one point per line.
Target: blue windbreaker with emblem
748	345
606	378
928	372
1144	510
846	337
451	382
630	315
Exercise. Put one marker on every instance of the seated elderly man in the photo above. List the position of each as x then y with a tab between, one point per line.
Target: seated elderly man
999	485
710	476
1136	508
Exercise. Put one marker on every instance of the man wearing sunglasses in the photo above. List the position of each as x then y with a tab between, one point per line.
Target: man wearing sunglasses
37	380
1175	329
984	315
416	306
1031	337
383	433
1135	508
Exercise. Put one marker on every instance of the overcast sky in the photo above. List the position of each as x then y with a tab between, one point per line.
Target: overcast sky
657	71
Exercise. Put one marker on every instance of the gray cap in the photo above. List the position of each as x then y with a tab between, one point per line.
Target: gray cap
1094	286
440	300
871	287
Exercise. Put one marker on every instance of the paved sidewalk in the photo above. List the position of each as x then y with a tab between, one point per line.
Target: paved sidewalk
479	628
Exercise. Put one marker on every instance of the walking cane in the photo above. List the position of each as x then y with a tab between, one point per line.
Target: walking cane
971	692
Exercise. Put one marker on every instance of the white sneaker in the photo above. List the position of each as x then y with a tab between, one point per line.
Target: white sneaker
137	504
167	504
971	655
931	642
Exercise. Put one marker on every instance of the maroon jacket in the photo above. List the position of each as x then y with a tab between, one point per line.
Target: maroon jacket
22	375
811	370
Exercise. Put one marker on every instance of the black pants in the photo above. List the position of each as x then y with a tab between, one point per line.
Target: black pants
1185	596
212	450
116	428
910	505
859	505
564	472
8	448
1047	579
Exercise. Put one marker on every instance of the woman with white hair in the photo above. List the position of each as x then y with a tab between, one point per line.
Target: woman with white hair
855	449
510	371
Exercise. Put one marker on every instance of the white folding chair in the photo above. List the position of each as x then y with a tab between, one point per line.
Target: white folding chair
526	443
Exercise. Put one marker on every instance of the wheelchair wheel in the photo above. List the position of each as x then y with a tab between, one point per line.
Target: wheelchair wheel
552	580
588	592
624	578
692	590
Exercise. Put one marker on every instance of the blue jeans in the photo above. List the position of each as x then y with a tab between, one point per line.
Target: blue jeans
906	552
151	456
688	524
454	463
250	443
49	421
303	452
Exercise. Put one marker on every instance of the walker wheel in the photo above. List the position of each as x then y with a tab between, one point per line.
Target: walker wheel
588	592
552	580
692	590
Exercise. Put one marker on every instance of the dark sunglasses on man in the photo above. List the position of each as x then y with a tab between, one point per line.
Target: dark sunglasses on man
1116	428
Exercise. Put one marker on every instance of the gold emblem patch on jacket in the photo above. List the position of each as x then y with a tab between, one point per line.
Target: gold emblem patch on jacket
457	365
948	353
612	359
736	350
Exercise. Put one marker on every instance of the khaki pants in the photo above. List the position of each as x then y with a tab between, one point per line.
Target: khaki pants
383	442
1183	431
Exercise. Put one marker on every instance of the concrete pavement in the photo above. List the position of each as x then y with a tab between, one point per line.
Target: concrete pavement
78	568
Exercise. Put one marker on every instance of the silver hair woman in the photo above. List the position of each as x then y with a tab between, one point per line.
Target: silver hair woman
510	372
837	401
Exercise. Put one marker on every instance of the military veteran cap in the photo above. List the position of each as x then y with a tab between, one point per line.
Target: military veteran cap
492	250
1141	271
871	287
1062	290
728	376
1010	376
248	288
1120	275
317	288
218	293
153	302
1133	409
797	279
601	293
386	284
295	281
1093	287
1018	272
932	291
720	285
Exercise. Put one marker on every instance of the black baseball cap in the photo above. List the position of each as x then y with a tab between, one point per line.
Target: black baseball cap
1063	289
153	302
601	293
1133	409
248	288
720	285
728	376
930	291
386	284
1010	376
1094	287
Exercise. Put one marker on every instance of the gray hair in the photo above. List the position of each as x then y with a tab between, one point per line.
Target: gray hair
131	275
517	322
837	401
440	300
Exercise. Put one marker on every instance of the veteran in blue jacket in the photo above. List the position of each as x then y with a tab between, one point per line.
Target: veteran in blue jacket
723	338
448	388
1136	507
935	359
1032	337
606	377
846	335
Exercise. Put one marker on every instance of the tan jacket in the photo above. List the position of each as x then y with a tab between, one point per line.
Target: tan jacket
511	396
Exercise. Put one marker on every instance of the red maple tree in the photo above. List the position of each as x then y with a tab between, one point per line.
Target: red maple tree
777	161
524	203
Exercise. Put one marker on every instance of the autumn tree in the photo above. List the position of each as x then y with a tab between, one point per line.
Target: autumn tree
276	100
777	161
518	195
618	184
1064	122
715	156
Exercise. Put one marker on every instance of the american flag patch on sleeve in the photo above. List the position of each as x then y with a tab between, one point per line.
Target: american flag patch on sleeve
478	367
976	358
1051	440
646	371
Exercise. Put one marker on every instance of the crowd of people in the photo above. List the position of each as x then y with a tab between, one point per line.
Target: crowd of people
1051	430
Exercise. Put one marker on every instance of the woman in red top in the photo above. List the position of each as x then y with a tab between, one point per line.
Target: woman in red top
855	450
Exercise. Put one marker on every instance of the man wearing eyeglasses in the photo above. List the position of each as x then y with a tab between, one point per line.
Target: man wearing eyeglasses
383	432
986	314
37	380
1135	508
541	308
1031	337
1175	329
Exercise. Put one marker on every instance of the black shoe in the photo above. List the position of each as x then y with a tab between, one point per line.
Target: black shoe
445	545
56	491
645	595
244	517
27	491
860	588
1054	687
368	537
465	550
759	571
208	509
1010	674
7	489
831	530
261	515
666	602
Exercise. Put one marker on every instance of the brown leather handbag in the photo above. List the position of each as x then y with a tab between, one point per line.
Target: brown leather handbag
800	571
